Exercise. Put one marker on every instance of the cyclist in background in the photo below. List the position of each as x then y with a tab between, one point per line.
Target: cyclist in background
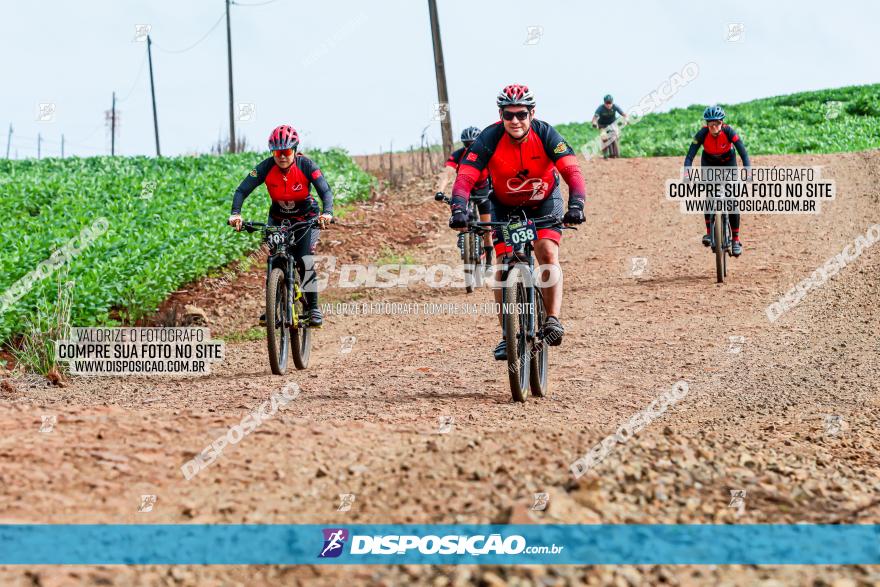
289	177
481	191
523	157
605	116
718	141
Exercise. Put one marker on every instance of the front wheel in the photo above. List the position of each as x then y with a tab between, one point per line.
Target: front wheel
718	235
469	258
539	351
278	337
515	320
300	333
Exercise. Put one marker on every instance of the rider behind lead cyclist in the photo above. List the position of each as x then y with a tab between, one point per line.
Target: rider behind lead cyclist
481	191
523	157
288	176
718	141
606	115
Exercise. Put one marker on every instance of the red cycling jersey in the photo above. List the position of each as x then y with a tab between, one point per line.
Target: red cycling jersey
522	172
483	186
717	150
289	189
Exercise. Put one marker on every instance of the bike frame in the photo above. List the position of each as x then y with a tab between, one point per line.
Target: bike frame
726	232
522	256
284	261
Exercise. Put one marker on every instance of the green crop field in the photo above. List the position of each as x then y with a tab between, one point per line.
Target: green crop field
825	121
165	226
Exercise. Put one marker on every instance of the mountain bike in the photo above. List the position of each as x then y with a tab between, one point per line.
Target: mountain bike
610	141
522	308
473	256
287	313
721	233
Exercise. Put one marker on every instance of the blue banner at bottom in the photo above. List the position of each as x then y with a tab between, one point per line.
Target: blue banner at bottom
439	544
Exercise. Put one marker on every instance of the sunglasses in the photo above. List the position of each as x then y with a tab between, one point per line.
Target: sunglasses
283	152
520	115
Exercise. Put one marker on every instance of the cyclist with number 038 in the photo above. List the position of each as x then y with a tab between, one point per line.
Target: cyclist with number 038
481	190
524	158
289	177
718	141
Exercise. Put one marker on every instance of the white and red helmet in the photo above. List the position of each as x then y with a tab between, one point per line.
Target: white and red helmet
516	95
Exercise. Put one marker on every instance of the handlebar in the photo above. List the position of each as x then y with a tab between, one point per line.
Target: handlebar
548	221
250	226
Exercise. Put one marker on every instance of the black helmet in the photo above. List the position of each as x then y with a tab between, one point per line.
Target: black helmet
713	113
608	98
470	134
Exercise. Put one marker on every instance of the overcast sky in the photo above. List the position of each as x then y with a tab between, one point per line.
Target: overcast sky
360	75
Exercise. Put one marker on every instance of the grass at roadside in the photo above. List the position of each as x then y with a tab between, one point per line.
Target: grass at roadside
250	335
825	121
128	230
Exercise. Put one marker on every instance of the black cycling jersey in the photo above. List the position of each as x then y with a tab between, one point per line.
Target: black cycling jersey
608	116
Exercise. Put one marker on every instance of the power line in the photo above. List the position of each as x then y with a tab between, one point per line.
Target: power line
136	80
194	45
82	142
253	3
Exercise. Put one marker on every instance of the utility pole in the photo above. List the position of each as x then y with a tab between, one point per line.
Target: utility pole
8	140
229	56
113	127
62	145
153	93
440	70
39	143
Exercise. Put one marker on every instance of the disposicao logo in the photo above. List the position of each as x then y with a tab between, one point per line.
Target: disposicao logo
334	542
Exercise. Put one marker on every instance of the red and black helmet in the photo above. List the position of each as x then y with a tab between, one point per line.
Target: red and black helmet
516	95
283	137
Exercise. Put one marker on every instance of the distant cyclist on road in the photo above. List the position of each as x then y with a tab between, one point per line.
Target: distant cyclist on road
719	141
523	157
289	177
481	191
605	116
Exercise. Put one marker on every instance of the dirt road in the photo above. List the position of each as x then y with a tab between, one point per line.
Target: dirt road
789	413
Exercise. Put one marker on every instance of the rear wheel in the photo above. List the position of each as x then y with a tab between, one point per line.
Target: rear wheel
300	333
515	333
277	335
718	235
539	352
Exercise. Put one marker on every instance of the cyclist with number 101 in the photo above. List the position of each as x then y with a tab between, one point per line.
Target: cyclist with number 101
289	177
